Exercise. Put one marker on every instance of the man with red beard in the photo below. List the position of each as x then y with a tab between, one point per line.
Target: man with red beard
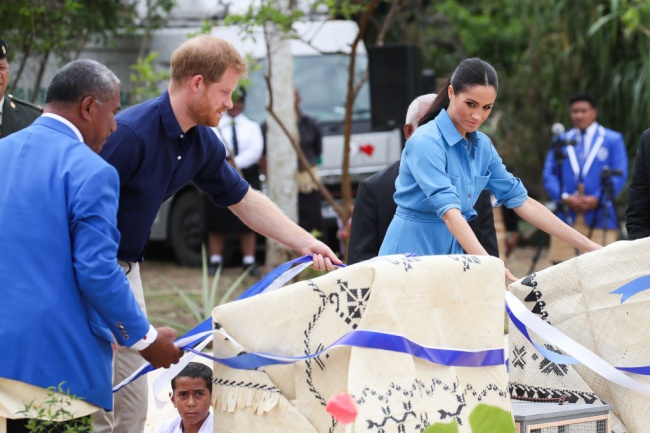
159	147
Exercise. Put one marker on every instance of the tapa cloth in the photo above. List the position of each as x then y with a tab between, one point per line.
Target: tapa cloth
575	297
442	301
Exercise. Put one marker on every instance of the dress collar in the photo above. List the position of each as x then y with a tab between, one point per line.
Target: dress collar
451	134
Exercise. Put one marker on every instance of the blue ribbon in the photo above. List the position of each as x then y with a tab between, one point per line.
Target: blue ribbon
255	289
206	325
632	288
371	340
391	342
564	359
266	281
554	357
357	338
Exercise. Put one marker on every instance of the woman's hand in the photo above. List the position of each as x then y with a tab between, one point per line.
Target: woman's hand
510	277
590	246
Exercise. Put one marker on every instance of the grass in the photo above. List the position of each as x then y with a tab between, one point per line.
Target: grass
176	296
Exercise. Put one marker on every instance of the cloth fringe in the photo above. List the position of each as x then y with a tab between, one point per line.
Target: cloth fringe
236	397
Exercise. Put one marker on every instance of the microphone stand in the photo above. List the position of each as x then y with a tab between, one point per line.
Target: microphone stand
560	156
605	200
560	205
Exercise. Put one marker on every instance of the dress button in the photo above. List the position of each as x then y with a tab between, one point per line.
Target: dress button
182	135
178	157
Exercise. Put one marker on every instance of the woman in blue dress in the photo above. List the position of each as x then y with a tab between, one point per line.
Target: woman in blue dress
446	164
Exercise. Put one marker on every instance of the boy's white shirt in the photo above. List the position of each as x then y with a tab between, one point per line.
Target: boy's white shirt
174	426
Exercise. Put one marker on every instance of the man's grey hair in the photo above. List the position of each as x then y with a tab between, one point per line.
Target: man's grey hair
79	79
415	106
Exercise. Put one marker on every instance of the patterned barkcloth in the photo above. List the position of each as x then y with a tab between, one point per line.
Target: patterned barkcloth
575	297
442	301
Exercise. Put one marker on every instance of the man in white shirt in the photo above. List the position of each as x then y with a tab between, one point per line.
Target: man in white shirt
244	145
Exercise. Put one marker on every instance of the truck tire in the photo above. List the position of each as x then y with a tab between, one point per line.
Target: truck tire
187	228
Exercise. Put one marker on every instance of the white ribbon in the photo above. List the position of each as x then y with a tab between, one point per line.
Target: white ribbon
572	347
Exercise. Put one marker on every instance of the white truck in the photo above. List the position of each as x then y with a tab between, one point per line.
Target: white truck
321	79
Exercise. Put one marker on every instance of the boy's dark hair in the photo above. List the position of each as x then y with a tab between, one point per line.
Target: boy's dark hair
583	97
195	370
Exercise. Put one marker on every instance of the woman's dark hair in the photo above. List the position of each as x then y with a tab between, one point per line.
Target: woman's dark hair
469	73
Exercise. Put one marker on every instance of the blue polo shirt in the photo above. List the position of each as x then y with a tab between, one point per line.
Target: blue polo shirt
155	159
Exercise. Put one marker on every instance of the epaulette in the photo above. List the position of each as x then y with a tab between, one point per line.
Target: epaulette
25	103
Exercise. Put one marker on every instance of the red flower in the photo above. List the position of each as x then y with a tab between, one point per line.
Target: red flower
342	408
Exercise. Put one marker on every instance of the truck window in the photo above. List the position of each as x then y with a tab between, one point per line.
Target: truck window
322	82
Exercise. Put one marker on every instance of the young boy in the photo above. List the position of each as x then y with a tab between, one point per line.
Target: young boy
192	396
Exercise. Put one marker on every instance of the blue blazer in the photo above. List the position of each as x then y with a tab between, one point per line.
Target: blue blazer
607	150
63	293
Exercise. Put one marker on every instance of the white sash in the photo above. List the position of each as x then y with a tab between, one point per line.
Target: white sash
593	151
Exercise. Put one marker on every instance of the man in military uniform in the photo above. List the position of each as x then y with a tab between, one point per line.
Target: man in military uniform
14	113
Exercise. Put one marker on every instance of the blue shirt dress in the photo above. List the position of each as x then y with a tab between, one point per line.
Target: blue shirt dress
440	170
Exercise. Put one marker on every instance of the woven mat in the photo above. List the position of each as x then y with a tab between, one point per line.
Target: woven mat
575	297
444	301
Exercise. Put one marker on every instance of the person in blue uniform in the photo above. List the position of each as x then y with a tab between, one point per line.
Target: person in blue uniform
446	164
65	299
587	178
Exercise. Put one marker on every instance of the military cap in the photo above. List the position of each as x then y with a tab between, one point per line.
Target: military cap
3	49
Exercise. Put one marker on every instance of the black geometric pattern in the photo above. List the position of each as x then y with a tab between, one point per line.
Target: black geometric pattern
397	396
547	367
354	300
529	280
532	392
519	354
349	304
466	260
403	261
246	385
535	296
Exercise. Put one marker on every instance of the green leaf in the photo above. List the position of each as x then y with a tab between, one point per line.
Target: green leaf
191	304
439	427
226	296
491	419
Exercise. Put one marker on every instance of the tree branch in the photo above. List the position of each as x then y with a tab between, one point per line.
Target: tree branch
395	7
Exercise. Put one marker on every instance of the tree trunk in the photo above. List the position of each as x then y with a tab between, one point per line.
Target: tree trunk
281	157
39	76
25	52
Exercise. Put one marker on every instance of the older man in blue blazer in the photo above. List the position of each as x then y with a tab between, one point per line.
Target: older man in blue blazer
65	299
